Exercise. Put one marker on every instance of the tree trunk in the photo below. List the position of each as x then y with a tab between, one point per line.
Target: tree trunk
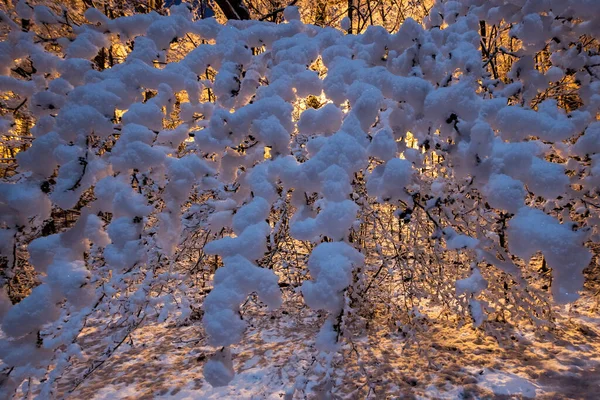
350	11
233	9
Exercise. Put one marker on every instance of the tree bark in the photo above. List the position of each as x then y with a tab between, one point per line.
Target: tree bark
233	9
350	12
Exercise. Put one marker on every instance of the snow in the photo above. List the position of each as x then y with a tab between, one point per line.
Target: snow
249	244
333	221
505	193
589	142
383	145
415	149
291	14
473	284
23	201
35	310
507	384
233	283
456	241
166	363
395	170
331	266
218	371
44	15
532	230
345	23
325	120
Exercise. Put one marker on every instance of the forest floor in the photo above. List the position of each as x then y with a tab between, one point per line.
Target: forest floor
278	356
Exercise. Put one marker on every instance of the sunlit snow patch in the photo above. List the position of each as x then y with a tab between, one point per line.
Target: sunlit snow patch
507	384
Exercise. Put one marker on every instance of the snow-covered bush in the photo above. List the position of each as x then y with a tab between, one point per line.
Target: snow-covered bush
254	154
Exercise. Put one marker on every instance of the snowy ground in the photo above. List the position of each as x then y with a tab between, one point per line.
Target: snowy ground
165	362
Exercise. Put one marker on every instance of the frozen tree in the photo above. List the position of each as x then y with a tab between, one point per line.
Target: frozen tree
263	156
